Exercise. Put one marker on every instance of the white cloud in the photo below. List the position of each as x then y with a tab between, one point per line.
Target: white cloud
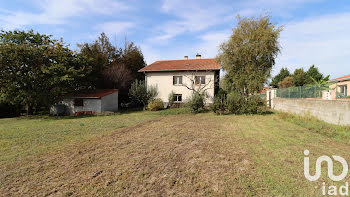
323	41
207	46
276	7
58	12
210	43
114	28
191	16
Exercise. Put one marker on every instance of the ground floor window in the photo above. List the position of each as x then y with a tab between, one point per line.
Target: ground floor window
178	98
343	90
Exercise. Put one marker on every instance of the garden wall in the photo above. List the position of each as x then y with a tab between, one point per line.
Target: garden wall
331	111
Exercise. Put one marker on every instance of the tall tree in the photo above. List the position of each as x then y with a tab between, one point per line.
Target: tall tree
132	57
249	55
100	54
36	69
284	72
299	77
113	67
313	74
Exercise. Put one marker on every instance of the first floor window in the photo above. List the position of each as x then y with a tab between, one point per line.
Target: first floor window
177	80
200	80
178	98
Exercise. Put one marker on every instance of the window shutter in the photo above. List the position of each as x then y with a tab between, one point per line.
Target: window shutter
173	80
180	80
203	80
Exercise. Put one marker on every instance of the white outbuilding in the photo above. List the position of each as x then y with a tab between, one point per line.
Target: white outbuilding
97	101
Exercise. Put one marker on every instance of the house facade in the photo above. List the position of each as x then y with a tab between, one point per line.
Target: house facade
97	101
183	77
340	87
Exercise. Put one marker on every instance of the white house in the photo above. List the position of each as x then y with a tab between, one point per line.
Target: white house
96	101
182	77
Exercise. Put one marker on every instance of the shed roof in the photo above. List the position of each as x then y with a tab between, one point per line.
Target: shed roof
94	93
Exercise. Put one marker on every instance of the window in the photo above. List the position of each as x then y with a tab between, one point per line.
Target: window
79	102
178	98
177	80
199	80
344	90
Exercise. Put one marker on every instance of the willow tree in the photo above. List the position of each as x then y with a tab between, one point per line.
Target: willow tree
249	55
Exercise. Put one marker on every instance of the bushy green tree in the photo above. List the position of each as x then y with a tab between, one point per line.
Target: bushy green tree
36	69
299	77
249	55
132	57
313	73
196	102
284	72
100	54
140	92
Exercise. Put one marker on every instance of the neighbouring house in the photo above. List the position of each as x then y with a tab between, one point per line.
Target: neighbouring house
96	101
183	77
340	87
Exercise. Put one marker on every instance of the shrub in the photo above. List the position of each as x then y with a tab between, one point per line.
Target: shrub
171	99
236	103
155	105
220	104
141	93
255	105
196	102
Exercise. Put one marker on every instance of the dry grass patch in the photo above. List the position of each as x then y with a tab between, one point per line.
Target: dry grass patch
177	155
147	154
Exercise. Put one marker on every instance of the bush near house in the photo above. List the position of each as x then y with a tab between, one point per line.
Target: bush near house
196	102
155	105
236	103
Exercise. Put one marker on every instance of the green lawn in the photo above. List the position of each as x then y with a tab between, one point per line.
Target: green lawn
170	152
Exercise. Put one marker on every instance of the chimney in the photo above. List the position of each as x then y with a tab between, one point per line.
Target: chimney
186	57
198	56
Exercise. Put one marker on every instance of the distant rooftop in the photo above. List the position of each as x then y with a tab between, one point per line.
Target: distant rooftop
343	78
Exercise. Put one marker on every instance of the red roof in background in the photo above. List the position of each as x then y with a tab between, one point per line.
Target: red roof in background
341	78
95	93
179	65
263	91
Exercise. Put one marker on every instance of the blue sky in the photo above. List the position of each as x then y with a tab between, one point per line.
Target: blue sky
315	31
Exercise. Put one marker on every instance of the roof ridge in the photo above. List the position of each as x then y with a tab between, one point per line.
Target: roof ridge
343	77
185	59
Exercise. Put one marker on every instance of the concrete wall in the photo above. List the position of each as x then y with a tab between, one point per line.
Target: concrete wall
164	83
331	111
93	105
110	102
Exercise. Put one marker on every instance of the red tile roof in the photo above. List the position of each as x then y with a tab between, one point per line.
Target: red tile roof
344	78
263	91
180	65
95	93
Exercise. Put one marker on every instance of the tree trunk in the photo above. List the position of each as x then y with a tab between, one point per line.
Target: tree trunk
29	109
